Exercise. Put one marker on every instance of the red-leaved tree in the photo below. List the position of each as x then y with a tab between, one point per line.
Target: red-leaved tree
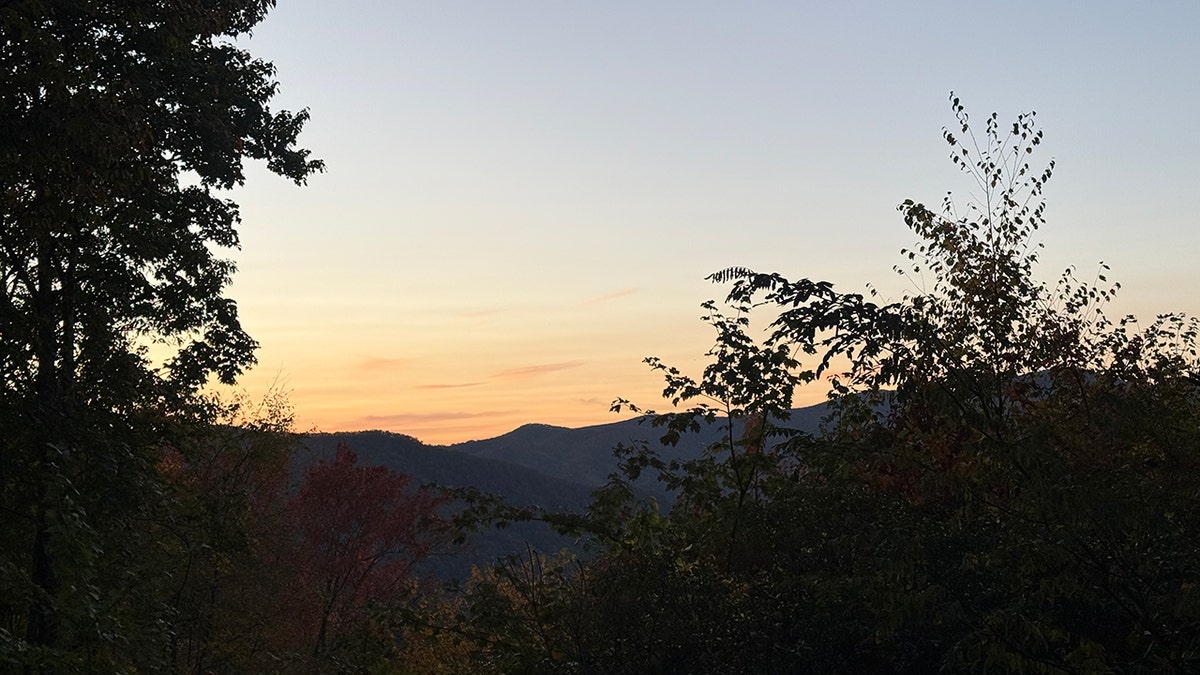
359	532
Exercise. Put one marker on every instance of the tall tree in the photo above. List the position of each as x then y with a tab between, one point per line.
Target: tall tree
122	123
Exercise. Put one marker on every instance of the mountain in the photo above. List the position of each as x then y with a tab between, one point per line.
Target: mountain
555	468
519	485
585	455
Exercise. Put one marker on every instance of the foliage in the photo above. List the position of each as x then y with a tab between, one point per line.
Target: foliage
123	123
253	573
1008	480
359	532
219	532
1026	432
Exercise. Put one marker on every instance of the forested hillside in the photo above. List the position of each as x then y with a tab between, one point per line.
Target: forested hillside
520	486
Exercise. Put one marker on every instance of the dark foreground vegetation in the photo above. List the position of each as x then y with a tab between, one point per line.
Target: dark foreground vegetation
1007	480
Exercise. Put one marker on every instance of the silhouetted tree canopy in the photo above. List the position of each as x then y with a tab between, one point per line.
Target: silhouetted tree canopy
1008	480
122	123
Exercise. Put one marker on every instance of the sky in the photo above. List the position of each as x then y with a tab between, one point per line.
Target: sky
523	199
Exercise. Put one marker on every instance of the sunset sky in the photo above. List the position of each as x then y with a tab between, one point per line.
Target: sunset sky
523	198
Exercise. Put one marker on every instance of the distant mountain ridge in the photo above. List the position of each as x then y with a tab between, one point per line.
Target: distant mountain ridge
584	455
551	461
552	467
448	467
518	485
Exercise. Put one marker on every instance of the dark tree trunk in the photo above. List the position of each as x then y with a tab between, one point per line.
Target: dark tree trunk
50	436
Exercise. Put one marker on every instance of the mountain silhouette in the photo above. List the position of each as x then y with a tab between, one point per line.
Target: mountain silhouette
551	467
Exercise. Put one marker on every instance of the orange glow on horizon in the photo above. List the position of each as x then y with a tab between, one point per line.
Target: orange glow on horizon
562	394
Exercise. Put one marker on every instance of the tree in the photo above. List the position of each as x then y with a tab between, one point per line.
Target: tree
222	541
264	575
1023	446
359	532
1008	481
123	122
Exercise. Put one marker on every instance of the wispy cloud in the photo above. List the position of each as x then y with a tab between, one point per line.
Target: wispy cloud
410	419
448	386
533	371
610	296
